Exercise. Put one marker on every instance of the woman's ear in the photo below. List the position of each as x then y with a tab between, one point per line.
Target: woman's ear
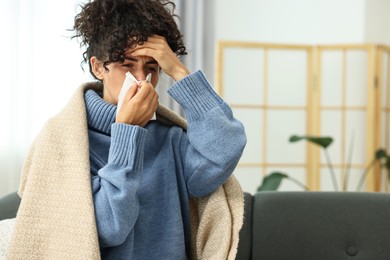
97	67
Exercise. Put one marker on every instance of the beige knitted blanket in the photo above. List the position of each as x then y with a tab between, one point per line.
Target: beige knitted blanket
56	215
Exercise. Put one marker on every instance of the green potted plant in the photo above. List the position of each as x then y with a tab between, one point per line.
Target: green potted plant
273	180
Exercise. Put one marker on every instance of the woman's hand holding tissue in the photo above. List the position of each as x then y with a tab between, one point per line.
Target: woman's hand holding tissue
139	105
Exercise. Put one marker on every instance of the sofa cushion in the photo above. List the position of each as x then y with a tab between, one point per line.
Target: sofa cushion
321	226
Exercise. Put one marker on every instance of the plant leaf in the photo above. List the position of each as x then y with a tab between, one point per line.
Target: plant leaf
272	181
387	163
324	141
380	154
295	138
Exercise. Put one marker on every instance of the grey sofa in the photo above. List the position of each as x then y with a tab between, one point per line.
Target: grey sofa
316	226
304	225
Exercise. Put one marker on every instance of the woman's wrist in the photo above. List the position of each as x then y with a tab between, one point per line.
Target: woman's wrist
180	73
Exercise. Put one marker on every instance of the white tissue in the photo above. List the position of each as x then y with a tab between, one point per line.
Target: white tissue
127	83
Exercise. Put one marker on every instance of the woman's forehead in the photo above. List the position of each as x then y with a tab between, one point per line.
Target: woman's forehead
144	59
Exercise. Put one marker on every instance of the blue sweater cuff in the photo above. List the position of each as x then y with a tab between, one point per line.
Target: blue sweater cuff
195	94
127	145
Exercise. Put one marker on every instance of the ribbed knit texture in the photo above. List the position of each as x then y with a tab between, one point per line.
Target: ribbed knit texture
101	115
56	217
120	154
193	97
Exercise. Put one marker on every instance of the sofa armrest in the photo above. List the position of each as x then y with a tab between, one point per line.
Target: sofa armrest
9	205
245	242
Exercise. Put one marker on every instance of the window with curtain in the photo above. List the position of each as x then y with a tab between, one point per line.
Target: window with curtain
40	69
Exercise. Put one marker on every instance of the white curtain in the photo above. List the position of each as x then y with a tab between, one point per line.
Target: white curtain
196	23
197	26
40	69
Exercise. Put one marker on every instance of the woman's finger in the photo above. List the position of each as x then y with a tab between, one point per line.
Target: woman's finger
143	91
131	92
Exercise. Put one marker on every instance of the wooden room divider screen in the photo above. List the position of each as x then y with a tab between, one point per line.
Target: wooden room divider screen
279	90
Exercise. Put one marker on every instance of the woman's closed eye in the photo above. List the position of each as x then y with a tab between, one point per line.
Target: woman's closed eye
151	68
128	65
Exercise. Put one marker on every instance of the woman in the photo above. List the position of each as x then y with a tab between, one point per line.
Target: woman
143	172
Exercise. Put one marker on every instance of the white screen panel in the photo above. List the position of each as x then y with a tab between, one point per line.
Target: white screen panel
331	126
354	179
385	80
356	78
356	132
249	178
331	81
384	181
253	123
385	130
287	78
281	125
326	179
243	76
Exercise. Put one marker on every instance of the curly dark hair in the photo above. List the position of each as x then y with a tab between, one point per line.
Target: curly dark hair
107	28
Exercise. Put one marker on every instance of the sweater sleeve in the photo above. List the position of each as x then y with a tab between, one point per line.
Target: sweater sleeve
215	139
115	185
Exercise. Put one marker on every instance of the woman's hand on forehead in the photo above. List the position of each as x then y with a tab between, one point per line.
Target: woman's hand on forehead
157	48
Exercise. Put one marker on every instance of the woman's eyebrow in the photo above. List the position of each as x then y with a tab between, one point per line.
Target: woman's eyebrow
152	61
131	59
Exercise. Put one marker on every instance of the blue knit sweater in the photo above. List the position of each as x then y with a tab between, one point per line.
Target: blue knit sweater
142	178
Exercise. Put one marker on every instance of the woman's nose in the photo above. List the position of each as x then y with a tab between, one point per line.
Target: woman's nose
139	74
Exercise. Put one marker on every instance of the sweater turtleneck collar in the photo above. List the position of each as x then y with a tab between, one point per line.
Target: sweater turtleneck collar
100	114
